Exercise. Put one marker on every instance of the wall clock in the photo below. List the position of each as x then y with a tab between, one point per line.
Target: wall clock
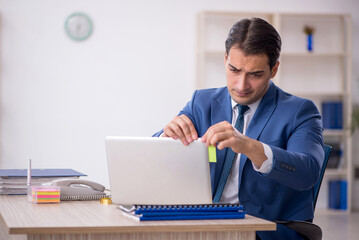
78	26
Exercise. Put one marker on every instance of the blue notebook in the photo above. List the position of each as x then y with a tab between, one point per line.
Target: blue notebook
183	212
55	172
14	181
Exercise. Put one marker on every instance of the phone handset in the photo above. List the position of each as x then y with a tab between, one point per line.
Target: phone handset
79	187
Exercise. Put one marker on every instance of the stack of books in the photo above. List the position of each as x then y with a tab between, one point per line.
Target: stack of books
338	194
183	212
14	181
332	113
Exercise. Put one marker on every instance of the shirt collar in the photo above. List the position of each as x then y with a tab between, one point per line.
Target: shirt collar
253	107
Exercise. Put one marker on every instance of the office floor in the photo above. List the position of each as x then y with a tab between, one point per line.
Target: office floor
338	226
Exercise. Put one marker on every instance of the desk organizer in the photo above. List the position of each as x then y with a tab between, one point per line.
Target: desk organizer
43	194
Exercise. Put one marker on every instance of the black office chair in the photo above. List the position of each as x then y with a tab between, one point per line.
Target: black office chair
310	230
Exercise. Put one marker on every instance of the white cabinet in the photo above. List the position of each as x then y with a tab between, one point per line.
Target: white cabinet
322	75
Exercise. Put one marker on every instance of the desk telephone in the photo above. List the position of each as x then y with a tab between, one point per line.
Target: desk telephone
79	189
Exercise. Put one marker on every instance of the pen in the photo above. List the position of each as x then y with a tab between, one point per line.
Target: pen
29	173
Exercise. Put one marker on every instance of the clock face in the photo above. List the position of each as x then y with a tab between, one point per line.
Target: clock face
78	26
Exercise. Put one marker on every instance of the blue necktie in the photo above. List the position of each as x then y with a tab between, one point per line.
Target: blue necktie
230	155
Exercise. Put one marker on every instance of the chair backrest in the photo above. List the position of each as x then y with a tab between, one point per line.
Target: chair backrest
327	150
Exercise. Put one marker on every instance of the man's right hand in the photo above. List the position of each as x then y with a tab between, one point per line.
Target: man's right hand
181	127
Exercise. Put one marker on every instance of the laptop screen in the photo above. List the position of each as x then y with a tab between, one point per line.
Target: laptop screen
146	170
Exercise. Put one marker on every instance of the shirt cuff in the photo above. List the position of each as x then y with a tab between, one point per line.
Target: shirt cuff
267	165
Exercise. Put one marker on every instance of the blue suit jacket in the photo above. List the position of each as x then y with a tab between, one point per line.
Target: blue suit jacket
292	127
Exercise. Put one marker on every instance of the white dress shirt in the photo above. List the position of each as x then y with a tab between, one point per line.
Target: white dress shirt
230	191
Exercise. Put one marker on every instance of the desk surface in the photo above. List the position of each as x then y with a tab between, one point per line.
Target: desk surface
22	217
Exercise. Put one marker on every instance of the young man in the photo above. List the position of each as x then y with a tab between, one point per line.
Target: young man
269	143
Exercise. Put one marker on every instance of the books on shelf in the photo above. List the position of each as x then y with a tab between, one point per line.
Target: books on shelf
14	181
183	212
338	194
332	113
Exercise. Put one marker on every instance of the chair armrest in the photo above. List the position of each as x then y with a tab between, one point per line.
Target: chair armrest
307	229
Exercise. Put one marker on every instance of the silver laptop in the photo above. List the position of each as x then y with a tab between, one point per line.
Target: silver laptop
146	170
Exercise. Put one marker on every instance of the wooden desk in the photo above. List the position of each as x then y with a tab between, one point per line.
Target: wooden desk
91	220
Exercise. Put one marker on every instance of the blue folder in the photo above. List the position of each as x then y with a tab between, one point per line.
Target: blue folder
184	212
164	214
332	113
191	217
55	172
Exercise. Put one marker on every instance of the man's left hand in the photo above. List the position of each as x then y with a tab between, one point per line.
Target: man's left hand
222	135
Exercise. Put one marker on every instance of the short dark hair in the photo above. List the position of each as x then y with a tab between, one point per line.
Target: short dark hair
255	36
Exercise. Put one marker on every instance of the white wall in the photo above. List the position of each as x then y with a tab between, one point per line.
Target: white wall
60	98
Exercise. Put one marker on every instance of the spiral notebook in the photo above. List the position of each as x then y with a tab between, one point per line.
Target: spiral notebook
183	212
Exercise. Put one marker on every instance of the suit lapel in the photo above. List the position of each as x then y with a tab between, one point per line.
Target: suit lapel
260	119
263	113
221	110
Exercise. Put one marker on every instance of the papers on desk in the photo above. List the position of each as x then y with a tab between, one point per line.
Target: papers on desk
183	212
14	181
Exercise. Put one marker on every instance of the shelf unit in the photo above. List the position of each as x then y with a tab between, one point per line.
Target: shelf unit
321	75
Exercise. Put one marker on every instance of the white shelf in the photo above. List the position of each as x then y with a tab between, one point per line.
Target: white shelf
334	133
336	173
328	95
327	37
313	54
215	52
326	211
303	74
285	54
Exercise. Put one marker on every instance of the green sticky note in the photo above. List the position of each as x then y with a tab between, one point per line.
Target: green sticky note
212	154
